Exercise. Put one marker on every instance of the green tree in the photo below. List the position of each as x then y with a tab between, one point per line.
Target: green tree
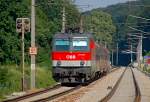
100	23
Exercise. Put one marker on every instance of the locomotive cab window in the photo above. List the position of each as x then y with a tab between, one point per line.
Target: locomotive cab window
61	44
79	44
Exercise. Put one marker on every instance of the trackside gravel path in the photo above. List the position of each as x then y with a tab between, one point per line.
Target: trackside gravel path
144	85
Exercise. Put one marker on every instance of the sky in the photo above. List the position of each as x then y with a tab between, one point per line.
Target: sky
83	4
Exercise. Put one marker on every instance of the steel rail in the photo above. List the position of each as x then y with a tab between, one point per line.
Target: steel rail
58	95
33	94
111	93
137	89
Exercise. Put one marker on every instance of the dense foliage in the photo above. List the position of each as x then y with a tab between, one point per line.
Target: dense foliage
100	23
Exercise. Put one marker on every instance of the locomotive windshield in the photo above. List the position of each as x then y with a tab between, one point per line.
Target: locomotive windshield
73	44
62	44
80	44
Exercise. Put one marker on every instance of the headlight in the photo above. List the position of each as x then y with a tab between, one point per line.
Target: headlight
58	63
82	63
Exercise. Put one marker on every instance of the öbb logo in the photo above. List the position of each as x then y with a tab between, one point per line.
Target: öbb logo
70	56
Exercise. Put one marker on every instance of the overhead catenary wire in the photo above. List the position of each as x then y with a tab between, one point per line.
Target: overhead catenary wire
139	30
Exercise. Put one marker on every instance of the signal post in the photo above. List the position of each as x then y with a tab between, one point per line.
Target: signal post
23	26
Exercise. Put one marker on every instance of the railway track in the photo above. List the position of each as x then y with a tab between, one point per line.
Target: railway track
57	95
137	89
45	95
33	94
33	97
111	97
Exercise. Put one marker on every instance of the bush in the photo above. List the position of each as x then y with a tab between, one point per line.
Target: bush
10	78
44	78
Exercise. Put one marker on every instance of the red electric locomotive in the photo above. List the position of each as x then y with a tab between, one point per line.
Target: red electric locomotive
76	58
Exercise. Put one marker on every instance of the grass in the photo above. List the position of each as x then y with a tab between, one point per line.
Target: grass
148	69
10	78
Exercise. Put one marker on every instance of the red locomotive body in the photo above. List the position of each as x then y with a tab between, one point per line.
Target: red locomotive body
77	58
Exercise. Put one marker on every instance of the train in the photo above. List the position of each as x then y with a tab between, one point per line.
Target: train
77	58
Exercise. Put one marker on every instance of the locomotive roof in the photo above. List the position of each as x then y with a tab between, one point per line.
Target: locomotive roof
66	35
